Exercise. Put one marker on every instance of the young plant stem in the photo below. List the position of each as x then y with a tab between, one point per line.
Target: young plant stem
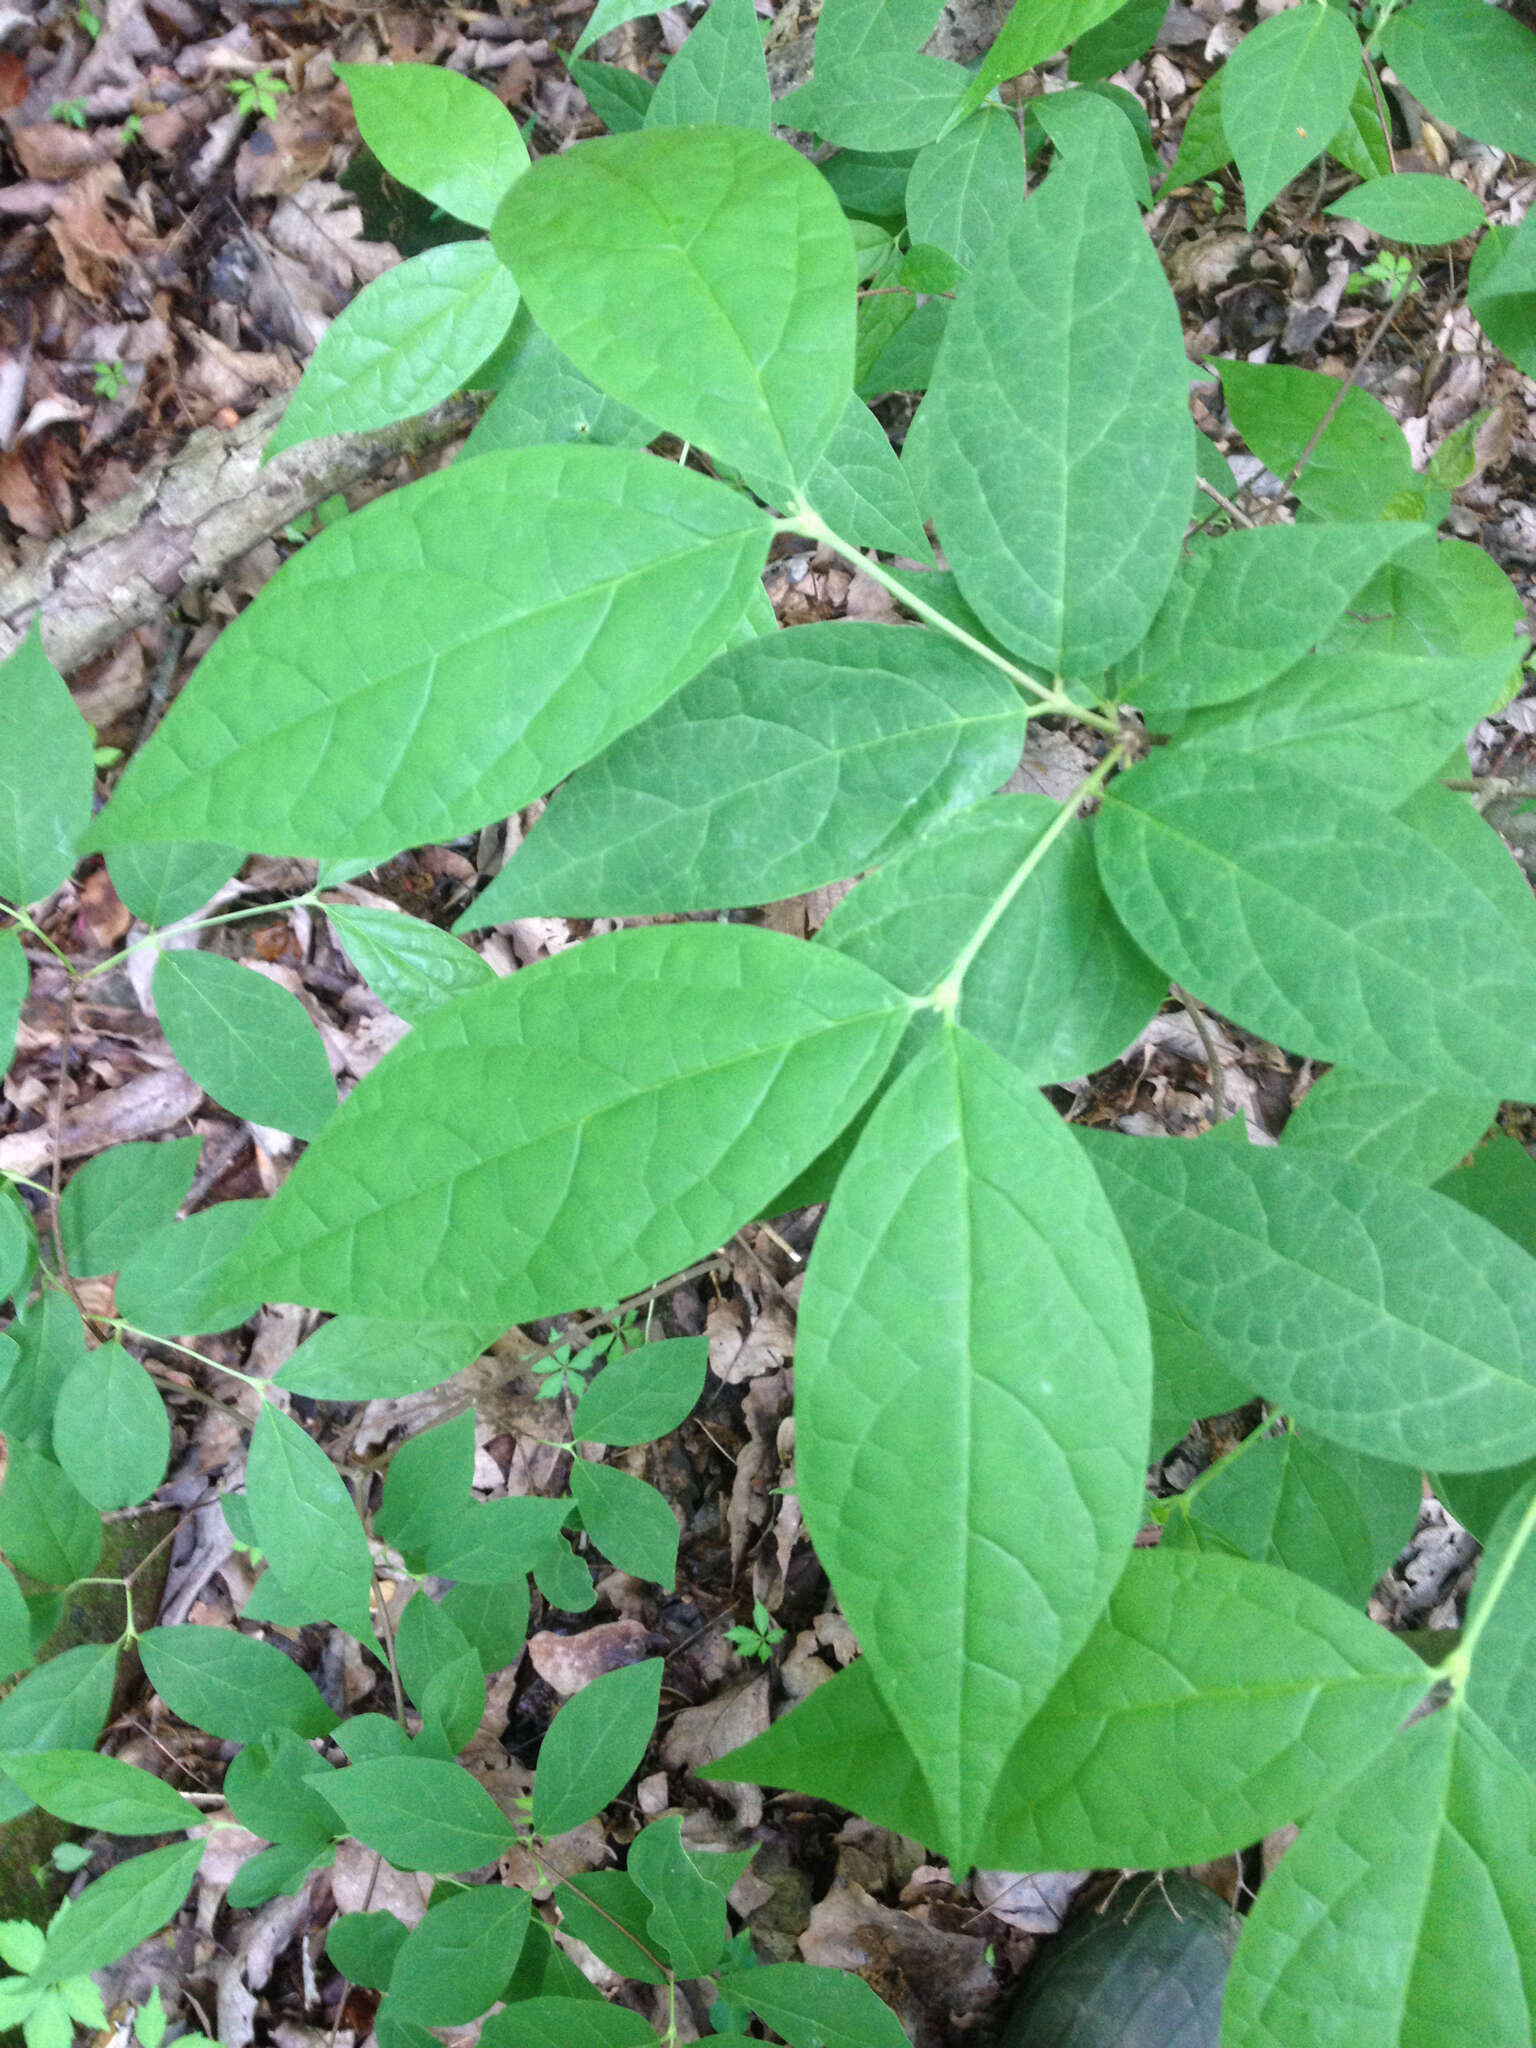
1350	380
1197	1017
1458	1665
203	924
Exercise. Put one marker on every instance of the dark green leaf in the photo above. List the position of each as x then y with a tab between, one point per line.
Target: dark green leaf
176	1283
628	1520
594	1746
1286	89
117	1201
567	2023
966	186
1087	123
307	1523
493	1618
1396	1127
1498	1182
269	1791
426	1490
363	1946
111	1433
453	1964
497	1540
1501	290
419	1813
643	1395
542	399
688	1921
115	1914
607	1910
61	1705
15	980
1472	66
231	1685
1128	34
860	28
47	1528
1361	461
246	1040
618	97
816	2008
15	1627
409	964
163	883
1413	206
365	1358
91	1791
47	1345
861	490
1034	29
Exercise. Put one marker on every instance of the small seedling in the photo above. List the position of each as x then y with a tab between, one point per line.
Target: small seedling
258	95
133	128
760	1640
88	19
1388	276
108	380
70	112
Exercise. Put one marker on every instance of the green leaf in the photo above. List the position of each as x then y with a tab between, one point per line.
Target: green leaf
493	1618
643	1395
609	15
62	1705
1129	33
544	1970
419	1813
46	774
366	1358
116	1913
440	133
291	732
1497	1687
111	1434
1061	373
594	1746
454	1963
307	1524
409	964
752	361
1245	607
1362	460
1413	206
1328	1514
363	1946
1199	1658
628	1521
788	763
1034	29
1498	1183
1055	985
870	184
496	1540
1286	90
1473	67
861	490
278	1871
931	1263
15	1627
18	1246
863	28
1501	290
567	2023
1396	1127
1384	1316
408	340
964	188
1086	123
718	75
175	1284
234	1686
1203	146
688	1920
816	2008
1385	1900
427	1640
120	1199
46	1343
618	97
244	1039
269	1791
47	1528
427	1486
15	980
1319	922
163	883
770	1044
607	1910
91	1791
543	399
880	101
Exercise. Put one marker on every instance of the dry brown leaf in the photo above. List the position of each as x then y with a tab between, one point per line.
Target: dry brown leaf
141	1108
568	1663
700	1734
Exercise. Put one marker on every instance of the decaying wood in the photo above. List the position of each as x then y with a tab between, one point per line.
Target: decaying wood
183	524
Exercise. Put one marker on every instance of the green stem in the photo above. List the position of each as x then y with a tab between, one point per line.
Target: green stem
1163	1511
1457	1666
203	924
946	996
26	924
121	1329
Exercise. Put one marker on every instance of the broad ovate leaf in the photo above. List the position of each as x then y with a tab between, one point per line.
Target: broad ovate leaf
751	359
557	595
1385	1316
446	137
969	1314
1471	66
967	185
1054	439
568	1134
1413	206
1320	922
1285	91
1397	1127
788	763
420	1813
718	75
882	100
46	774
245	1039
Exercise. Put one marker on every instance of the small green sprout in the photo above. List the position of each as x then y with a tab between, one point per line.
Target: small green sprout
70	112
88	19
761	1639
1389	274
108	380
258	95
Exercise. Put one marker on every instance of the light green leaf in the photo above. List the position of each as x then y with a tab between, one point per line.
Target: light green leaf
1310	1506
861	490
788	763
440	133
409	964
1203	147
1498	1183
863	28
815	2008
1501	290
1473	67
454	1963
307	1524
930	1268
47	1528
1129	33
15	1627
1389	1319
1062	376
46	774
269	1791
870	184
291	734
111	1434
163	883
244	1039
688	1922
1362	460
419	1813
752	361
1385	1901
964	188
61	1705
117	1201
1245	1691
115	1913
609	15
1359	144
544	399
627	1072
644	1395
628	1521
234	1686
18	1246
1319	922
1246	606
91	1791
1413	206
1497	1688
618	97
567	2023
15	980
880	101
366	1358
1085	122
175	1284
1395	1127
1286	90
1034	29
718	75
1056	985
594	1746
